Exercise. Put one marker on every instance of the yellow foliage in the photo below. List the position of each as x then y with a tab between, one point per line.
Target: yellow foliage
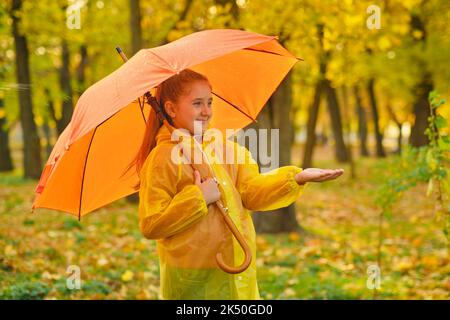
143	295
102	262
404	265
294	236
127	276
417	34
384	43
10	251
430	262
417	242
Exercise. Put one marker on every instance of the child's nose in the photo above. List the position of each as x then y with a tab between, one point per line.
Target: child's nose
206	110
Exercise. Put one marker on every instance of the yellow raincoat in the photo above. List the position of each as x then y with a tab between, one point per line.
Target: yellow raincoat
189	233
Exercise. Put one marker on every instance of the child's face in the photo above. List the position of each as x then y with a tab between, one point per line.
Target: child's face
195	106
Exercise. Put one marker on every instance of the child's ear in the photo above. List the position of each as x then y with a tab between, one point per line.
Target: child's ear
170	109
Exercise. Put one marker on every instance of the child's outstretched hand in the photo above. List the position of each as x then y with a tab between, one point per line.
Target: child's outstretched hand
209	188
317	175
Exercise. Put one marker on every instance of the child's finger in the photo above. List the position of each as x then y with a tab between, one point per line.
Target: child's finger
197	178
325	173
338	173
325	177
334	175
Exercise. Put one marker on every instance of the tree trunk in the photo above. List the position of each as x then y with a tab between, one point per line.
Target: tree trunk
376	121
362	123
81	69
313	114
135	26
399	126
336	122
182	17
234	11
46	126
5	151
48	137
280	117
66	88
421	108
31	142
347	120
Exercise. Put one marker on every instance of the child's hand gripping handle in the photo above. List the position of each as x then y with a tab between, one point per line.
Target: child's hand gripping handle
211	193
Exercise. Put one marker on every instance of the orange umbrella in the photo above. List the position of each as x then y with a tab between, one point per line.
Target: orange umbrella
85	169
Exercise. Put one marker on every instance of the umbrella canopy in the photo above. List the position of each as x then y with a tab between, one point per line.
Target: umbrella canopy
85	169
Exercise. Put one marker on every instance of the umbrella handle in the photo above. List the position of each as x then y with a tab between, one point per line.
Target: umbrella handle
247	252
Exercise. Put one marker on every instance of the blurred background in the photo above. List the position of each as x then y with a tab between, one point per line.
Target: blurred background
369	97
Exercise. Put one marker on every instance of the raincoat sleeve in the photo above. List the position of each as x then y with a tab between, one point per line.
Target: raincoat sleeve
163	211
266	191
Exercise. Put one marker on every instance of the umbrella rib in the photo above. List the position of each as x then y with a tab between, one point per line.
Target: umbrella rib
234	106
84	169
87	155
86	160
270	52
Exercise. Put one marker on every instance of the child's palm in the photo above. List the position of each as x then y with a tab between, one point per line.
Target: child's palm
317	175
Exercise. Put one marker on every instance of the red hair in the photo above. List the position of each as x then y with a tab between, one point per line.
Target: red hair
169	90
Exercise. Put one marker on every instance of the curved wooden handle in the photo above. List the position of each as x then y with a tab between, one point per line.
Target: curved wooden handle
247	252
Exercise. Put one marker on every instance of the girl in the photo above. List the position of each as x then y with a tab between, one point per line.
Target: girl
177	208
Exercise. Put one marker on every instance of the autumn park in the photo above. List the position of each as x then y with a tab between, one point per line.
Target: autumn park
344	196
